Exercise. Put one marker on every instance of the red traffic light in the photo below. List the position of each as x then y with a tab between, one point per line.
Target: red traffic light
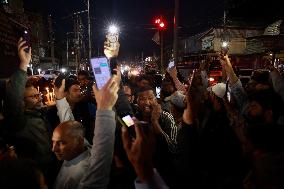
162	25
157	21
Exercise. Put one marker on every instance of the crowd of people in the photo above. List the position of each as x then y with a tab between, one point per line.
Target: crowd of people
225	136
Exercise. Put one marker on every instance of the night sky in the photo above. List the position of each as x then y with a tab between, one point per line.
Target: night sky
135	18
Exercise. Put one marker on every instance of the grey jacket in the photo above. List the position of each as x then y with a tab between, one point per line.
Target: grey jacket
97	174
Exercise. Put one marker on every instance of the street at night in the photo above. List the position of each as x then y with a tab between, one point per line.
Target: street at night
141	94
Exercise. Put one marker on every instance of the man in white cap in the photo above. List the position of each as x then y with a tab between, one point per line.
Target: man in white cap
219	89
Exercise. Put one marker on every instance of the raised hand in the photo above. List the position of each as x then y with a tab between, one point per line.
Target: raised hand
224	60
117	76
140	151
173	72
106	97
156	111
111	51
25	57
59	92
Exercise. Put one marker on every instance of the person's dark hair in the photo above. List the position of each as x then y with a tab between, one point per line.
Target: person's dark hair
69	82
19	173
84	73
260	76
268	99
167	85
72	77
146	88
142	77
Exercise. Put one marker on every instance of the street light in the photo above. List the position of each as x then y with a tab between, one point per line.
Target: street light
113	29
63	70
225	44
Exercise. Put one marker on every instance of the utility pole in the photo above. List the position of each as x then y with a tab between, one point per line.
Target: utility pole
67	51
67	48
89	30
77	31
176	24
51	40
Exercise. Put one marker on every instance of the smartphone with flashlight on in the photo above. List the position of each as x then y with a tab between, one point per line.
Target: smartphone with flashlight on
224	47
112	35
25	34
101	70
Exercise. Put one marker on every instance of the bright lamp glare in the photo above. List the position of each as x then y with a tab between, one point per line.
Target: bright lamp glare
225	44
211	79
113	29
63	70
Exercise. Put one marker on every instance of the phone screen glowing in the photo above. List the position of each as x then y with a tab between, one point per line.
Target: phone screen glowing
128	120
101	71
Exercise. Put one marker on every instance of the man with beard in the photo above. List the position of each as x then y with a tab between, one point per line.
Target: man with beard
165	131
27	126
263	113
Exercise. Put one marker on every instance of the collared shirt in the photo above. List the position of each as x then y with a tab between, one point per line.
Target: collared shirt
72	171
155	182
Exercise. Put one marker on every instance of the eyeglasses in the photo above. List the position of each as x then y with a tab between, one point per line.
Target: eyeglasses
34	96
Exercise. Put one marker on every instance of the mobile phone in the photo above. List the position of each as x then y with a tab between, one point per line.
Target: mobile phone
128	120
171	64
158	92
58	80
26	37
224	47
101	70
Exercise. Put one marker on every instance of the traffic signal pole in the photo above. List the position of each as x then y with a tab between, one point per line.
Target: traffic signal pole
176	23
160	23
162	51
